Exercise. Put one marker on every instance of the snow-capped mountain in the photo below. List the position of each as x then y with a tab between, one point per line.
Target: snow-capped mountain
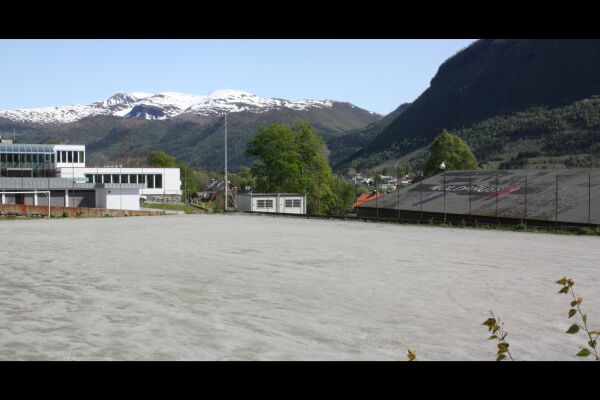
141	105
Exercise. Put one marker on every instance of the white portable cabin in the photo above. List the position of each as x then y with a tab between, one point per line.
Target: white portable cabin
284	203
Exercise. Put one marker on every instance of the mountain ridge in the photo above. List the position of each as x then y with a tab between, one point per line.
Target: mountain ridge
491	77
165	105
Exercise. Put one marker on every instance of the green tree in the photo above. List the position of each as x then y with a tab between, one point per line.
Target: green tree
292	159
246	179
452	151
279	168
161	159
192	180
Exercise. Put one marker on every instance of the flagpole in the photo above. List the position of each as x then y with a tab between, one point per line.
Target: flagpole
226	184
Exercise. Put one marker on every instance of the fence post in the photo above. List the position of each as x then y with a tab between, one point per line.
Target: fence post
444	196
376	200
356	192
589	199
556	202
526	191
398	189
497	199
470	191
421	192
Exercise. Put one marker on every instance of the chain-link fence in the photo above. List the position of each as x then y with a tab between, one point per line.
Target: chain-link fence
535	197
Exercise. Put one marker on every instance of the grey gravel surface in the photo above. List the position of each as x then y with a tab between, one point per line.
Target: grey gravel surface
243	287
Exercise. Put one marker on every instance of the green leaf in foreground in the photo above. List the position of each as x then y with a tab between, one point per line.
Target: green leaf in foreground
572	312
583	353
573	329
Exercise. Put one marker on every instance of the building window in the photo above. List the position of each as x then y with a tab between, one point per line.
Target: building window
150	180
141	178
292	203
106	179
133	178
81	157
125	178
97	178
115	179
264	203
158	181
89	178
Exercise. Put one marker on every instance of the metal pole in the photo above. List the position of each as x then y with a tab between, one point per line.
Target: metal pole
226	184
444	196
421	192
556	202
526	190
356	191
398	189
589	198
376	199
470	191
497	199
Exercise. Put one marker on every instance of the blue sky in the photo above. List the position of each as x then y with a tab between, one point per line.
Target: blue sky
377	75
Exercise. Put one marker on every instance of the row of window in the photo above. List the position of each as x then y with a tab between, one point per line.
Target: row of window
66	156
291	203
264	204
152	181
26	158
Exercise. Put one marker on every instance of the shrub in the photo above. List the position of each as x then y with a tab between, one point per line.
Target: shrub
592	335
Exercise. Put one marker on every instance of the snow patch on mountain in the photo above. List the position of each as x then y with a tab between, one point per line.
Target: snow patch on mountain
143	105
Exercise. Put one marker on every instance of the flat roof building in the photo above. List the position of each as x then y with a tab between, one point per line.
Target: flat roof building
61	169
284	203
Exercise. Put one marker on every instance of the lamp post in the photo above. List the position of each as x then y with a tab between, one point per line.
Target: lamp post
443	168
226	183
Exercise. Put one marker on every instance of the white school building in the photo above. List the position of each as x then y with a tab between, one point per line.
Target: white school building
60	170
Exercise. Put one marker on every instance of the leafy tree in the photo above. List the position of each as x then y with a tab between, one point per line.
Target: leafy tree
401	170
293	159
162	159
192	180
246	179
452	151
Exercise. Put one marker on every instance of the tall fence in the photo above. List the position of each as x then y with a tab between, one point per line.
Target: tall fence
544	198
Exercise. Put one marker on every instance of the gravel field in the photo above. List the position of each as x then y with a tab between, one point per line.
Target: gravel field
245	287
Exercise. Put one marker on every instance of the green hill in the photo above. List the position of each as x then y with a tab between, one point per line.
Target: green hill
488	79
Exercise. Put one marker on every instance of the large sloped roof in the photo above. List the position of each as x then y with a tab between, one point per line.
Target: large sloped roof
533	194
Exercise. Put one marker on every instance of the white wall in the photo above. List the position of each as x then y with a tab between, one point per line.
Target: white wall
248	202
69	169
118	199
171	179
